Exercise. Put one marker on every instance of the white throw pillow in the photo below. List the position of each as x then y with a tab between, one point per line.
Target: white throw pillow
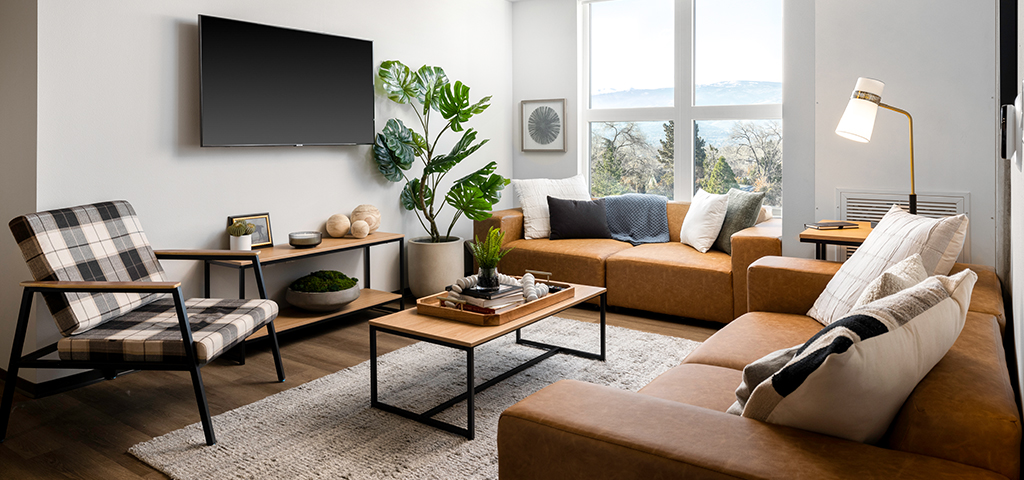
897	236
703	220
851	378
533	197
895	279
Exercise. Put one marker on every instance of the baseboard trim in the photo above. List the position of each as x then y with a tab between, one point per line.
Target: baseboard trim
57	385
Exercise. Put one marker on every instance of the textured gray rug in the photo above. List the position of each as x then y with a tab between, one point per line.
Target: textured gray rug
326	429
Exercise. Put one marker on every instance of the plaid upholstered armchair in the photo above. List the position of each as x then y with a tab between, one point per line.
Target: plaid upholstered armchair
103	284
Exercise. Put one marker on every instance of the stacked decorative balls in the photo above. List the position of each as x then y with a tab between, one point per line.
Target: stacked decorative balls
365	220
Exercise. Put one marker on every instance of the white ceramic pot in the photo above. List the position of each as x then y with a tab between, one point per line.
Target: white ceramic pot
240	243
321	301
433	266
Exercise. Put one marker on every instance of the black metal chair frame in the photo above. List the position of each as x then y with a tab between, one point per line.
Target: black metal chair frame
109	369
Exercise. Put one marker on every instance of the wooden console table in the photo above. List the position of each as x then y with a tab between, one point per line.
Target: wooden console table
851	237
291	317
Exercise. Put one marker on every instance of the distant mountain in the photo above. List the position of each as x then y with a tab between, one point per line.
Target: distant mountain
715	132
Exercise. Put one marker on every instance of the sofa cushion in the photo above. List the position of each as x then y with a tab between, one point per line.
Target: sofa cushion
897	236
578	219
672	278
742	212
705	386
703	220
894	279
753	336
570	260
851	378
533	197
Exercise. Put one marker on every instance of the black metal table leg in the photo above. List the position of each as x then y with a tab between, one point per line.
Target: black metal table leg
401	273
373	366
471	394
206	278
604	308
366	266
241	283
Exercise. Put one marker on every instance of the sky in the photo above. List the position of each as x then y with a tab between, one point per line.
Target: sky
632	42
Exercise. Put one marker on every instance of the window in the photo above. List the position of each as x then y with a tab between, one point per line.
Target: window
711	66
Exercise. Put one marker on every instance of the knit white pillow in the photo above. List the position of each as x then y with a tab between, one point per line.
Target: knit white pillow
533	197
703	220
897	236
895	279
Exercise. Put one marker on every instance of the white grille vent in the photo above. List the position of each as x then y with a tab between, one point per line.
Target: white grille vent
872	206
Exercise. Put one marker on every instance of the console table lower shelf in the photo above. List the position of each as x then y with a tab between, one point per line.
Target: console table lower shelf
466	337
290	318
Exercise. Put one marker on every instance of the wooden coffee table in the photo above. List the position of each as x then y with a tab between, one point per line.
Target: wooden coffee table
466	337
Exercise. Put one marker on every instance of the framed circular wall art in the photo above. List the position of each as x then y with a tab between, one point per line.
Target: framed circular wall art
543	125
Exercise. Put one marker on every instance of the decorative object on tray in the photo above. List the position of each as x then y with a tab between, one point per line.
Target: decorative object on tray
305	239
240	235
338	225
831	225
360	229
531	289
428	92
455	304
467	290
322	291
369	214
487	254
262	236
543	128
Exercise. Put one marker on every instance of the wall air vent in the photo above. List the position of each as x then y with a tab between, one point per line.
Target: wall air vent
871	207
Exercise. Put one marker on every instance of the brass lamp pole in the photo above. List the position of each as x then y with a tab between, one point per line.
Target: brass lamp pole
859	120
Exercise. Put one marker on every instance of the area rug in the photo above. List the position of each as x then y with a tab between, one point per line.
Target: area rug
326	428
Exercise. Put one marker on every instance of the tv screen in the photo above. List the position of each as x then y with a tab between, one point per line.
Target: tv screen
263	85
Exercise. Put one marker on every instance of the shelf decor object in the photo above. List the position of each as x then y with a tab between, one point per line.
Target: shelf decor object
322	291
859	120
305	239
240	235
261	237
543	128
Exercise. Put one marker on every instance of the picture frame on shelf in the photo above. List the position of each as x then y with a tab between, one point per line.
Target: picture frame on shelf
543	125
262	237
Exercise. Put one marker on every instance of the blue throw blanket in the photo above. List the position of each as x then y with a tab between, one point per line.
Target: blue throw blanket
637	218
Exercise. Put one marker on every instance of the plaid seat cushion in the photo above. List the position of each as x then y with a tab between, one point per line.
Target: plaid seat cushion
98	242
150	333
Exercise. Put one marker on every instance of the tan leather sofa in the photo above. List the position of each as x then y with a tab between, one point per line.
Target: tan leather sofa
670	278
960	422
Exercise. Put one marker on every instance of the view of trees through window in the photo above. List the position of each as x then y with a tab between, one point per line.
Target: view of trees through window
634	104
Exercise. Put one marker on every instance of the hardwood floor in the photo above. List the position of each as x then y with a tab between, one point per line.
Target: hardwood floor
85	433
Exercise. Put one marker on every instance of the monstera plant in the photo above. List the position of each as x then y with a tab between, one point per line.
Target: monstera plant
397	147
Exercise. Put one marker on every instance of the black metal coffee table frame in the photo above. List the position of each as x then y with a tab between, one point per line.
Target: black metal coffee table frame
469	431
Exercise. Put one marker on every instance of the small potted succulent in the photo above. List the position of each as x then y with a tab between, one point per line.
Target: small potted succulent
241	235
487	254
322	291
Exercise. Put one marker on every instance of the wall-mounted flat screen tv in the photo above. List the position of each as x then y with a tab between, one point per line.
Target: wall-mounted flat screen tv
263	85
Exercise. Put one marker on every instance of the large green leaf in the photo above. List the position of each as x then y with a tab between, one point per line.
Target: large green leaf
399	82
394	150
476	193
420	142
461	150
432	80
470	200
410	197
454	105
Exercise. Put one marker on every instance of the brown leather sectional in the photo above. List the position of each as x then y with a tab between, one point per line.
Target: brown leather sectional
960	422
670	278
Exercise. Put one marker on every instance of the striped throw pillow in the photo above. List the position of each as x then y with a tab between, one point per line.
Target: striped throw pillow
851	378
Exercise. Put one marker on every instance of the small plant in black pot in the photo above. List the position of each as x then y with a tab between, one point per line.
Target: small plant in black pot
487	254
322	291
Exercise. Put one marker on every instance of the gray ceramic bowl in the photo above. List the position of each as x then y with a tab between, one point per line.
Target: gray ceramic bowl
305	239
321	301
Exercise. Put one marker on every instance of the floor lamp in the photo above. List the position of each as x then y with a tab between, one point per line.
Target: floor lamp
859	119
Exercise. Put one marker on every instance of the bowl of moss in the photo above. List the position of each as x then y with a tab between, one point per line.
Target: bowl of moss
322	291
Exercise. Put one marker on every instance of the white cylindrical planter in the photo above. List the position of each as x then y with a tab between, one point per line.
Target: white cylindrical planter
433	266
240	243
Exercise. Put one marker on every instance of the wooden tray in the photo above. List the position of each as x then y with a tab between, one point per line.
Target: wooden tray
432	306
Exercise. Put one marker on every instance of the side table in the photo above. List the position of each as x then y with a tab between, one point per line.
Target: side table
851	237
289	317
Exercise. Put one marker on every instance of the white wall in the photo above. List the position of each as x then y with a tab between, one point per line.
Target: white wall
17	152
938	61
118	118
545	63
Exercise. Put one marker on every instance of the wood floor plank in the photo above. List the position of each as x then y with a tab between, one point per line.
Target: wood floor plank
86	432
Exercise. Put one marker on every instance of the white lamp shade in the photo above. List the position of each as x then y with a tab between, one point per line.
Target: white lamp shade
859	118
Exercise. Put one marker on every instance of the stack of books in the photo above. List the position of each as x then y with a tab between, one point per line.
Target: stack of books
492	302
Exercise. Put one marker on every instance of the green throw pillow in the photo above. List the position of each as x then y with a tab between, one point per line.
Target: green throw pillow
741	213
